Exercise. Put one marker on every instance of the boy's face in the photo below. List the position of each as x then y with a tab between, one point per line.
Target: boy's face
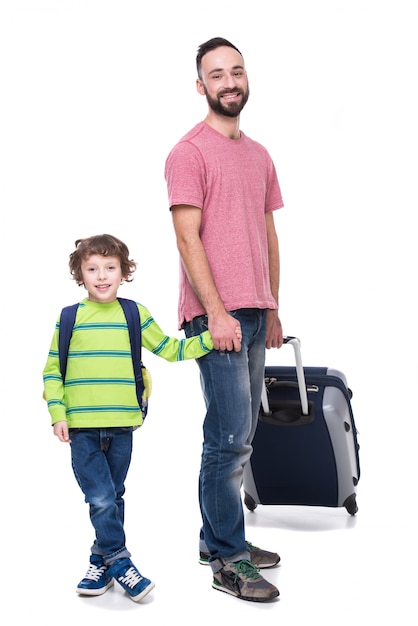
102	276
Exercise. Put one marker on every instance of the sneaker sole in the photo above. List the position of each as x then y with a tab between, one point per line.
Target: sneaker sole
94	592
143	593
266	565
219	587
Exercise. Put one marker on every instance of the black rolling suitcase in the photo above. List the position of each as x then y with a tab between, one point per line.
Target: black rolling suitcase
305	449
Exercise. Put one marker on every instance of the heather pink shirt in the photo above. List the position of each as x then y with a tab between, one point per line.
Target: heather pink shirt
234	182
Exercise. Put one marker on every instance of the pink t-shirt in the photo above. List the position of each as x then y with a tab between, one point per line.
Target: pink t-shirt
235	183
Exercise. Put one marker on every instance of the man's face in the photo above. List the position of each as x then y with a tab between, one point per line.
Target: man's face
224	81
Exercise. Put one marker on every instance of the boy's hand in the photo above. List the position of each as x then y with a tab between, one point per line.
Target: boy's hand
61	431
238	333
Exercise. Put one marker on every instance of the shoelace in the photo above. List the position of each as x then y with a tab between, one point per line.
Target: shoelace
94	572
131	577
246	569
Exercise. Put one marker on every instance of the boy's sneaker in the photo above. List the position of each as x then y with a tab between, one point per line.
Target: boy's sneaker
243	580
127	575
96	580
261	558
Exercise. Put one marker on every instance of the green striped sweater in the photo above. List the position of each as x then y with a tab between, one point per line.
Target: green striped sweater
99	388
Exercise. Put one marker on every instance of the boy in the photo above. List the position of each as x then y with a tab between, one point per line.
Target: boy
96	409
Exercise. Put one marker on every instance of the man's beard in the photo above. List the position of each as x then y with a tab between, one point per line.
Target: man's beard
232	109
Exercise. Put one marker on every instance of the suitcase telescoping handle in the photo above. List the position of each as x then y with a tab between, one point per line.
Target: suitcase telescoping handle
295	342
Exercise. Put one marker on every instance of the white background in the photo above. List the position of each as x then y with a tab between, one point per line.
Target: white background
94	93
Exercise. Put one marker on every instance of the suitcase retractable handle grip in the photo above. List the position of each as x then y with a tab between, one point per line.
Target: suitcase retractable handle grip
300	376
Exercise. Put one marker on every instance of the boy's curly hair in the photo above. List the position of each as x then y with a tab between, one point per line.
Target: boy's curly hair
105	245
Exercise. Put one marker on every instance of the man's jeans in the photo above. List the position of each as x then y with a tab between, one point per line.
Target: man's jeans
231	384
100	459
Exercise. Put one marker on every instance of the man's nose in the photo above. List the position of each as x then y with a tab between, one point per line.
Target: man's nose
229	81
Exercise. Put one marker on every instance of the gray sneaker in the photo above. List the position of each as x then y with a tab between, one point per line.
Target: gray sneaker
261	558
243	580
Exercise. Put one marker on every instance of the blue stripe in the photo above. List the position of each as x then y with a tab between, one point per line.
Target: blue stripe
103	409
55	403
101	326
99	381
203	345
181	350
52	377
99	353
161	346
147	323
73	354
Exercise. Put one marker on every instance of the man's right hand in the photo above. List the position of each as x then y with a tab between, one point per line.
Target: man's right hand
226	332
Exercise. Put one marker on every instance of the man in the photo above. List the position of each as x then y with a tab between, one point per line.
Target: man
223	189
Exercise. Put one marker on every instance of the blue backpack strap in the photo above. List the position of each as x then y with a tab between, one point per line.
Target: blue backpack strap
67	320
130	308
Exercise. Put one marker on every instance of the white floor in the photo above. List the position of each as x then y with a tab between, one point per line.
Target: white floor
339	117
336	569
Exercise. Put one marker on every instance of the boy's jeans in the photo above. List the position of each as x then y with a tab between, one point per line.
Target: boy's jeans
231	384
100	459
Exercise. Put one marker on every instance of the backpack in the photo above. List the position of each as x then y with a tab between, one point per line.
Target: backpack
142	375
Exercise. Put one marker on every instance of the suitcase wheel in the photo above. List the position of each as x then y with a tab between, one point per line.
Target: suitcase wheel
351	504
249	502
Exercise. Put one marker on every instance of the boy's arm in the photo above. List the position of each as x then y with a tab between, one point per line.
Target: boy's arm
170	348
53	383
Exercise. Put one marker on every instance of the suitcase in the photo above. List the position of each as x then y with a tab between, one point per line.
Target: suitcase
305	448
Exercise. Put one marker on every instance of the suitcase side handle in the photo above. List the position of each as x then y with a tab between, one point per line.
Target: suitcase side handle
295	342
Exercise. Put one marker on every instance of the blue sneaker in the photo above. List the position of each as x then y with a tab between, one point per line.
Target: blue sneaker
126	574
97	579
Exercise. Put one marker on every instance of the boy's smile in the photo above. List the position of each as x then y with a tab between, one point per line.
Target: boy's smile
102	276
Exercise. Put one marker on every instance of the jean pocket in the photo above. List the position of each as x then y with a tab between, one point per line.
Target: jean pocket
196	326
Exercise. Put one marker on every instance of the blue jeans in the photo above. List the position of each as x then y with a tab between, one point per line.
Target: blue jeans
100	458
231	384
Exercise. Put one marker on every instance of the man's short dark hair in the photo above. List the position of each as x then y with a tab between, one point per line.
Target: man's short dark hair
209	45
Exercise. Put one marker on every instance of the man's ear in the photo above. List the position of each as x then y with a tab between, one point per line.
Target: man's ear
199	86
